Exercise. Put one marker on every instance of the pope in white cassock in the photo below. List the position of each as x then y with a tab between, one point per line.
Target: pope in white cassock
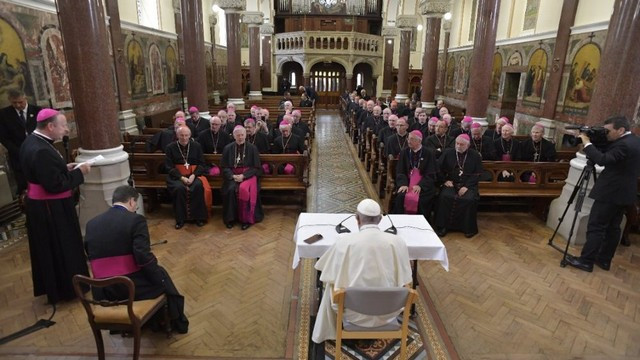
369	258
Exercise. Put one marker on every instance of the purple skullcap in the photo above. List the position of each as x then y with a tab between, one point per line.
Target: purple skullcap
416	133
464	137
476	125
193	109
433	120
180	119
284	123
506	119
45	114
467	119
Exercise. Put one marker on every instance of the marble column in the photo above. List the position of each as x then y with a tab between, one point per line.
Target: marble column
406	25
484	46
266	31
388	34
617	87
552	92
213	21
195	68
446	26
233	9
94	103
126	116
434	10
254	19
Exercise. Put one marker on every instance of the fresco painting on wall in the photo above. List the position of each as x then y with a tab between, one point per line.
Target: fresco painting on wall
244	35
582	78
515	59
172	67
155	59
536	74
39	84
531	14
461	75
56	68
209	70
14	74
451	70
496	72
439	76
137	76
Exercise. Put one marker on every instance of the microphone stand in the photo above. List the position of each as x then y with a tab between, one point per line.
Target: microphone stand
341	229
392	229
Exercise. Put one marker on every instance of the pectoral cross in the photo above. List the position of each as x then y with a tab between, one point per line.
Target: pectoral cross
460	172
238	159
186	165
535	156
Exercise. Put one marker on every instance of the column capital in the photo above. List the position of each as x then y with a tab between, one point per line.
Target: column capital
213	19
406	22
232	5
252	17
177	8
434	8
266	29
390	31
446	25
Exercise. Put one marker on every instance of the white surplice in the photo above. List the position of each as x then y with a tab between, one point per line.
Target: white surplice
369	258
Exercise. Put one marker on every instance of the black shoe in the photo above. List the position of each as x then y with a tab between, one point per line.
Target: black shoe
604	265
442	232
228	225
179	225
245	226
470	235
200	223
578	263
625	241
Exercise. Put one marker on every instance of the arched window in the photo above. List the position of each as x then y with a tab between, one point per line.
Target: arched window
359	79
149	13
292	75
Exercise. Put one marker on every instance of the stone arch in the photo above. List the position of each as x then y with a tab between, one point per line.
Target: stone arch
284	60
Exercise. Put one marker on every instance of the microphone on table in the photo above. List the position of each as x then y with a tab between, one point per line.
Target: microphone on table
392	229
65	144
341	229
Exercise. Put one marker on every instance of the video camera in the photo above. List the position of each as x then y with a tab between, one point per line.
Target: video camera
597	135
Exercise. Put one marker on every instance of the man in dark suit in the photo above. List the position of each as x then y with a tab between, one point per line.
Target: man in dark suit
117	244
613	191
16	122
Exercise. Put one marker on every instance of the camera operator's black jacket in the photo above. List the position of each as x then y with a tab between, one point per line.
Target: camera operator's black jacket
617	183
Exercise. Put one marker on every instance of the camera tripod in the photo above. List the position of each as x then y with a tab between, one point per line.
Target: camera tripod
580	191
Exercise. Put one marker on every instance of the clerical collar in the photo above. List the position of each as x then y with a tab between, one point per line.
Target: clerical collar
42	135
117	206
369	226
417	150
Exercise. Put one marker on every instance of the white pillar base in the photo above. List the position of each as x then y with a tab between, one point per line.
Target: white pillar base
255	95
481	121
216	97
428	106
204	114
558	205
401	98
239	102
549	128
99	184
127	122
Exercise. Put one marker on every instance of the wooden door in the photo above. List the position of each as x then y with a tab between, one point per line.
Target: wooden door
329	81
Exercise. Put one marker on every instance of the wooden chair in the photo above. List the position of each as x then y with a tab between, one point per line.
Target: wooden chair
373	301
124	315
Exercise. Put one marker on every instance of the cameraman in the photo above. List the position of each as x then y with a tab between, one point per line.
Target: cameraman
614	190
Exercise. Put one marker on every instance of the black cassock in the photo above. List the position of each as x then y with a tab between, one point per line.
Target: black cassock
385	132
395	144
237	156
291	145
459	212
160	140
197	126
213	143
55	241
260	140
426	163
543	150
485	147
188	201
438	143
119	232
513	148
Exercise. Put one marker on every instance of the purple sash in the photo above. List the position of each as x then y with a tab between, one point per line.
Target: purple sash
411	198
289	169
247	197
214	171
113	266
266	169
506	157
37	192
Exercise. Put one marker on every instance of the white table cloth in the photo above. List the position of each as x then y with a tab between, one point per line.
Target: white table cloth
421	239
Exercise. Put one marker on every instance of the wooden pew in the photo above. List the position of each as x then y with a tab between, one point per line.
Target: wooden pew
147	174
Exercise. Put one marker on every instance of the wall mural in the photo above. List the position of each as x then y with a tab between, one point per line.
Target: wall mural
461	75
244	35
531	14
155	59
496	72
332	7
137	76
172	67
582	78
56	68
536	74
450	74
439	76
515	59
14	73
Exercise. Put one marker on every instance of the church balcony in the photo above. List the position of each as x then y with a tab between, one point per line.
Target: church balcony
325	43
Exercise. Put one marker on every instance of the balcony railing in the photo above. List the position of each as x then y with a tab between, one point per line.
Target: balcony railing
323	42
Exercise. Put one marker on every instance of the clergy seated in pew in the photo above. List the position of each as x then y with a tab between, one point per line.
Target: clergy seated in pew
241	188
460	169
364	115
224	118
189	188
536	149
298	127
452	126
484	146
465	127
233	120
507	149
397	142
421	124
213	140
495	133
288	108
195	122
260	140
388	130
162	139
373	122
416	173
287	143
439	141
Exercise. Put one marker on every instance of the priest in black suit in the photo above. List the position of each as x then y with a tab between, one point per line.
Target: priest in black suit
17	121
